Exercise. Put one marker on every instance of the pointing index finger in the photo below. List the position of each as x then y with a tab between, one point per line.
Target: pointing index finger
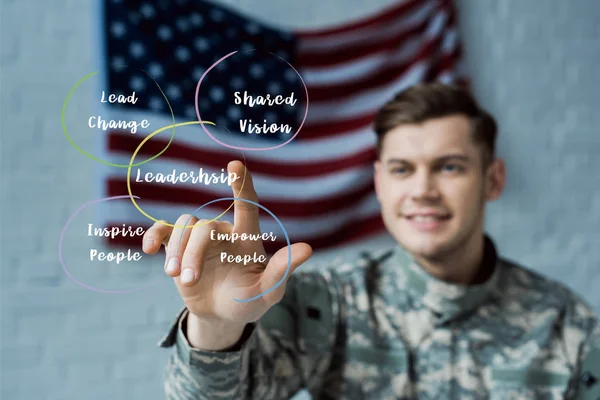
245	217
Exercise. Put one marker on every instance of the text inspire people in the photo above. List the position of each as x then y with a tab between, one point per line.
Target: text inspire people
118	256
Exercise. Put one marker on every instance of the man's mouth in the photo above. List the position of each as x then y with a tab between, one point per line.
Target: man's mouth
427	220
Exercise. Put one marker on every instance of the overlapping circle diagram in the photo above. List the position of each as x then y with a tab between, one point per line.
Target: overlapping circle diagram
263	101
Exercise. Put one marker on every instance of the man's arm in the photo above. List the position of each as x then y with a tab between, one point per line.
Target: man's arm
290	348
588	378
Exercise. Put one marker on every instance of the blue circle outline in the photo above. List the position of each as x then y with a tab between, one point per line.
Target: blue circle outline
287	239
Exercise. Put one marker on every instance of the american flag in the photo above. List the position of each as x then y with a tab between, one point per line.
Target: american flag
320	184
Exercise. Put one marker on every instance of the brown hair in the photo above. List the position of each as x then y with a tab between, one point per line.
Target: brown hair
425	101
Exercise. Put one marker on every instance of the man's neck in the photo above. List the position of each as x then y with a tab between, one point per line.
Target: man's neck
463	265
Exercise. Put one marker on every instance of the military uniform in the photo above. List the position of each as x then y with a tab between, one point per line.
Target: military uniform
382	328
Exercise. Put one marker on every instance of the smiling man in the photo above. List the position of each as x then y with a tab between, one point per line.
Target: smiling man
434	174
441	316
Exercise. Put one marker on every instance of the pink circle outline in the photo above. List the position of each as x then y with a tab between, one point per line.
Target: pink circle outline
247	148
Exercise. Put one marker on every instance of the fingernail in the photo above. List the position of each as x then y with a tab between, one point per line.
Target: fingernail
172	265
148	243
187	275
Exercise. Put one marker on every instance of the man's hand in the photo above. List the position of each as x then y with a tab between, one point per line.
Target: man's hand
207	285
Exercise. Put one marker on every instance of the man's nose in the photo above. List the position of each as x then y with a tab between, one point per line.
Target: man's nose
424	185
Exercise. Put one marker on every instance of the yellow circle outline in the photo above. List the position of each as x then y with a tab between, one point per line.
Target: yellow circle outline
135	204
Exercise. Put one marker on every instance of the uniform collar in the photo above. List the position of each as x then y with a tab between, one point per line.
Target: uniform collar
446	300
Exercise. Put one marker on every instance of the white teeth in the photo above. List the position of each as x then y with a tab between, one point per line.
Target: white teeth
425	218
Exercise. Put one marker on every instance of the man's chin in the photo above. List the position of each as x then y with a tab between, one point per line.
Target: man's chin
429	248
428	253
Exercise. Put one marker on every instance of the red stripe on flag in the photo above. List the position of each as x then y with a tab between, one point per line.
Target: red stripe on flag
442	63
386	15
330	128
126	144
375	80
158	193
338	55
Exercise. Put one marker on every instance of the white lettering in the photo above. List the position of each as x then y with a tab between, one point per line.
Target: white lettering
114	256
233	236
119	99
252	101
199	177
115	231
132	126
245	259
264	128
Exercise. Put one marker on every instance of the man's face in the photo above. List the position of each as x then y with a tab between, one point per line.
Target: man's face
432	188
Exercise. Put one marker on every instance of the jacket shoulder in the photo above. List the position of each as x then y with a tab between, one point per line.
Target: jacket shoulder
533	287
540	297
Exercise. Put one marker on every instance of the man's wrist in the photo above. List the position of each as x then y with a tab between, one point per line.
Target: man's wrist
213	335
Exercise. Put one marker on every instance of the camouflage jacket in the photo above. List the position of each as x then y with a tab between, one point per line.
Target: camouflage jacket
382	328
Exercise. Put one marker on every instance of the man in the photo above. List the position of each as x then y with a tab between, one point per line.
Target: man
441	316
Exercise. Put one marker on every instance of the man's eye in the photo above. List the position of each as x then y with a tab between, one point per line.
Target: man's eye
451	168
398	171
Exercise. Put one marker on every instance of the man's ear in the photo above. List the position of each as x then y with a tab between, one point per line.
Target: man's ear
495	179
377	171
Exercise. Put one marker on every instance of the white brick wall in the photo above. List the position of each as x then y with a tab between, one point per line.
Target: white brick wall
535	67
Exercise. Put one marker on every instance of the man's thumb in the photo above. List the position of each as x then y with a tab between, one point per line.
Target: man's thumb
276	269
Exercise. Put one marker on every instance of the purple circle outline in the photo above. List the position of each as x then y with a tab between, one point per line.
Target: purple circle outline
60	256
247	148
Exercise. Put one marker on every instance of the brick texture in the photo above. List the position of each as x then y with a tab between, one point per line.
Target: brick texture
535	67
